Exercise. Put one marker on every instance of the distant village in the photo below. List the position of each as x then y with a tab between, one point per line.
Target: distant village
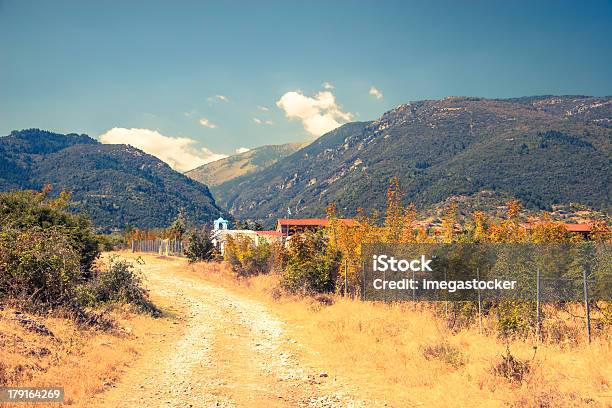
287	227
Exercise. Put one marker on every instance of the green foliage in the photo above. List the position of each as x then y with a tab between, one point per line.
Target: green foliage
178	226
516	318
47	259
115	185
111	242
455	146
38	266
118	283
248	259
199	247
312	266
29	210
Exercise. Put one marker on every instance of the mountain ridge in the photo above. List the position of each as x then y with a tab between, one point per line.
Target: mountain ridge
253	160
542	149
116	185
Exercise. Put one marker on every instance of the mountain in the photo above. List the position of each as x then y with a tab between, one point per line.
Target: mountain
220	171
115	184
543	150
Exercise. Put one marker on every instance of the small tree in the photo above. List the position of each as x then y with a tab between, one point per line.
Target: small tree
199	247
247	259
178	227
312	264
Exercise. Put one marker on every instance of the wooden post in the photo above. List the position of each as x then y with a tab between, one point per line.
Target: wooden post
384	286
413	290
586	303
446	301
479	303
363	281
345	277
538	316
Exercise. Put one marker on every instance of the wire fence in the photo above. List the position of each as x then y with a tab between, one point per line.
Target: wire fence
164	247
538	280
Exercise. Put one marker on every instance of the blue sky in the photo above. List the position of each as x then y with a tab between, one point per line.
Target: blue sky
202	71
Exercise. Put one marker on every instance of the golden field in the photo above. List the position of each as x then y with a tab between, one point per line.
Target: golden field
392	353
409	357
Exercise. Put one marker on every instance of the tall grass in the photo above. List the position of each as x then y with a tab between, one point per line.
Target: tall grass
411	356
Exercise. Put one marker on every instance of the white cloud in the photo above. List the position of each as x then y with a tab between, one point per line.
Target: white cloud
319	114
218	97
207	123
327	85
179	152
263	108
242	150
262	122
375	92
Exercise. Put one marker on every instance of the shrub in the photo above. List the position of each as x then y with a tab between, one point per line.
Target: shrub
312	266
119	283
47	256
248	259
25	210
39	266
445	352
515	318
111	242
199	247
511	368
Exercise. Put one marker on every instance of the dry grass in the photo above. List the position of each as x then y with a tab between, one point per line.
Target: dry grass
409	357
84	361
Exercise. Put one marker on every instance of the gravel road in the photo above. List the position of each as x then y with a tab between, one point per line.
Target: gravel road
222	350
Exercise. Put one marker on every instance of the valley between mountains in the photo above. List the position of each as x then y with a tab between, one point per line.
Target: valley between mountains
543	150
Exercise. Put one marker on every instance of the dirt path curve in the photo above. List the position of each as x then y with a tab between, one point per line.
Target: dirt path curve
222	350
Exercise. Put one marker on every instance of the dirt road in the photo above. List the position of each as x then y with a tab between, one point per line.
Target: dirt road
219	349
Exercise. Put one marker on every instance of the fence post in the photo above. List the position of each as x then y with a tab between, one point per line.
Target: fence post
586	303
363	281
413	290
479	303
446	301
345	277
538	316
384	287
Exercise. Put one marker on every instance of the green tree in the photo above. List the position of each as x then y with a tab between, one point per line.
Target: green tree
199	246
312	264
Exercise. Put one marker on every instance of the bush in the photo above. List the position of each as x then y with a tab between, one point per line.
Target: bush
26	210
38	266
119	283
47	260
515	318
445	352
199	247
511	368
111	242
312	266
248	259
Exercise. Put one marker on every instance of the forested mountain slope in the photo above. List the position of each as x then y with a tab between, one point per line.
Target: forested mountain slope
542	150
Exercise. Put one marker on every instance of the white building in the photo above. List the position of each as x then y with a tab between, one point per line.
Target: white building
220	233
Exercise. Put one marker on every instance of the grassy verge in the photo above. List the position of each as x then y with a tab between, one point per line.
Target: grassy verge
407	357
83	347
54	351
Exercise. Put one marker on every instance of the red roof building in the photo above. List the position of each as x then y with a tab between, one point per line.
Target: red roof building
582	229
290	226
